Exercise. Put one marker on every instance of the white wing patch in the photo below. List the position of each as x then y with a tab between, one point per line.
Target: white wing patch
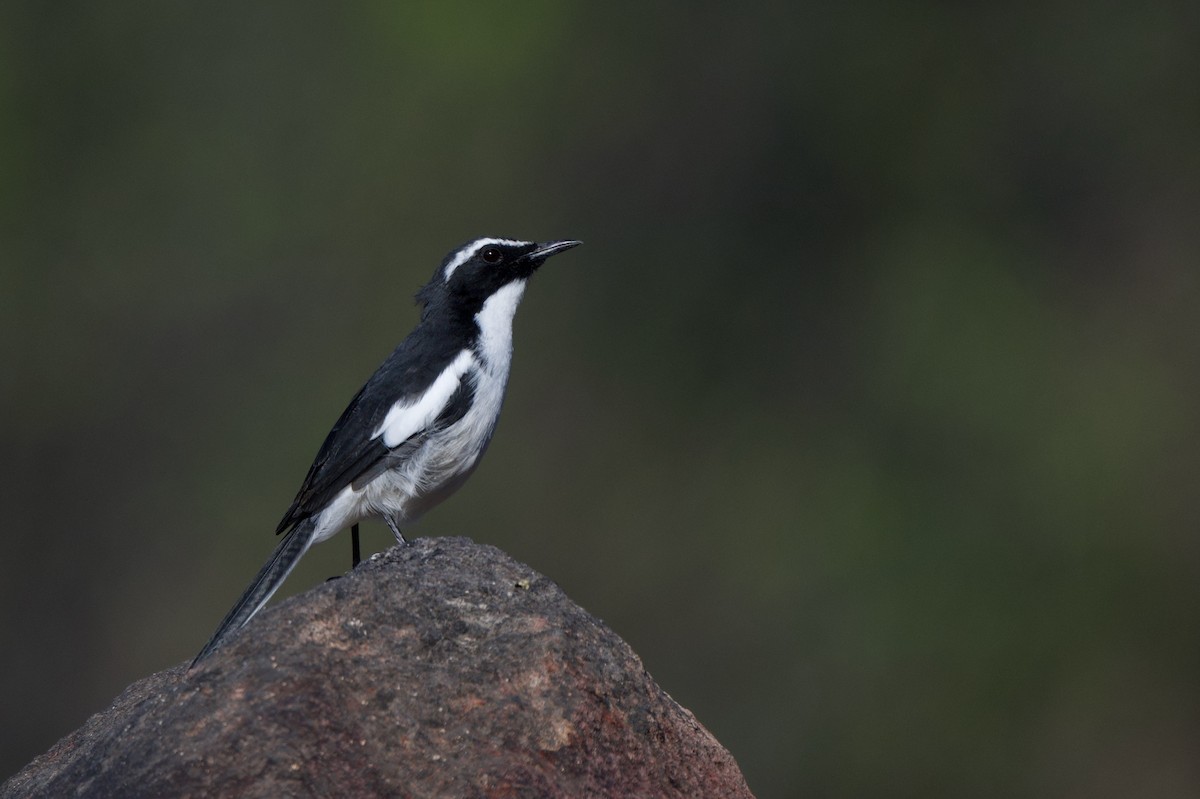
469	250
403	420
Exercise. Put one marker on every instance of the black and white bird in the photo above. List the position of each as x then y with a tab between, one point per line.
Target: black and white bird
416	430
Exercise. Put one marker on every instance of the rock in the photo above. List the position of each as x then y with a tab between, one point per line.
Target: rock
439	669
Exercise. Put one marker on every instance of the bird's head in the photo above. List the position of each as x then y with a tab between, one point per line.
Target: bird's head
480	268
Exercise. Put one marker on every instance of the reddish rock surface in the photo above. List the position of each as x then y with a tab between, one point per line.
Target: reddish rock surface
440	669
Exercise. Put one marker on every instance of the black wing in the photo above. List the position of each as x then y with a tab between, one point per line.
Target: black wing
455	409
349	454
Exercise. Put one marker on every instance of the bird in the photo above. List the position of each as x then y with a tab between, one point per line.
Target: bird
418	427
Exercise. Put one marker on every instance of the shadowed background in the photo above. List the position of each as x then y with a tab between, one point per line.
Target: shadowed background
867	413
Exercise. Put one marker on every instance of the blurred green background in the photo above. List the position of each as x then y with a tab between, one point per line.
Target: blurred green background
867	414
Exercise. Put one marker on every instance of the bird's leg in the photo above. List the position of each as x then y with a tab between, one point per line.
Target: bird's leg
355	554
395	530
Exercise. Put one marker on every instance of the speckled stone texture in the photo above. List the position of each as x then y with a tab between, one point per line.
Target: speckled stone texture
440	669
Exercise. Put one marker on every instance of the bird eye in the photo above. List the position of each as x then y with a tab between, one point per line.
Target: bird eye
492	255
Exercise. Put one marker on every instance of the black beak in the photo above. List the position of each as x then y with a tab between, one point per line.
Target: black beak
544	251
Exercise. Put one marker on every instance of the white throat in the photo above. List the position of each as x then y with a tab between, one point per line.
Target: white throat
495	320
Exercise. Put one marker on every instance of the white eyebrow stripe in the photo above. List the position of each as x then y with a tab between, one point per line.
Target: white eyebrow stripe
464	255
404	420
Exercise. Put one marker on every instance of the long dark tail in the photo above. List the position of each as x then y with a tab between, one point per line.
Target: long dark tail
285	557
